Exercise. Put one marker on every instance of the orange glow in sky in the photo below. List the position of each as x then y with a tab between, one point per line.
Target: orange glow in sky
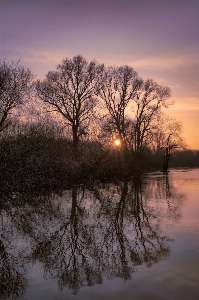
159	39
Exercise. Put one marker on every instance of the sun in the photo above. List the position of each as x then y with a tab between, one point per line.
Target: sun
117	142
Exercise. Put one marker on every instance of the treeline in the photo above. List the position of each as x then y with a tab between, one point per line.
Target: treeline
37	159
83	121
186	158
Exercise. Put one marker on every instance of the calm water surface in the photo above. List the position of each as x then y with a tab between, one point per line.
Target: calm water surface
108	241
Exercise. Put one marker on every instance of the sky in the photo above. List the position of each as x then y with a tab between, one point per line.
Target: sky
158	38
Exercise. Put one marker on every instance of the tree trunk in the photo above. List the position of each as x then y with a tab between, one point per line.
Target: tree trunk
75	135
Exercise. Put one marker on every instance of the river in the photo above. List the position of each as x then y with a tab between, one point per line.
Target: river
125	240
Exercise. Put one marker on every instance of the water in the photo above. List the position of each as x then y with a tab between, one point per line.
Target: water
108	241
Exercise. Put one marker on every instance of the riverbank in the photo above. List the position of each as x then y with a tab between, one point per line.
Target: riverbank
40	161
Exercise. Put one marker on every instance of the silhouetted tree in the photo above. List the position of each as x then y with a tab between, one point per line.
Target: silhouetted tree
163	127
148	101
70	91
119	86
15	84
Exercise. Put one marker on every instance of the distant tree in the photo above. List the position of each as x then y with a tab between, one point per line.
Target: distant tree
185	158
70	91
119	86
162	128
15	85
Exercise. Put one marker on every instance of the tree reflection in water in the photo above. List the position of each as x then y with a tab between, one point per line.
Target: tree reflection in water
87	233
13	282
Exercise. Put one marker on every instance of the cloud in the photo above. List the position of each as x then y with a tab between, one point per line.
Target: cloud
167	62
190	106
41	62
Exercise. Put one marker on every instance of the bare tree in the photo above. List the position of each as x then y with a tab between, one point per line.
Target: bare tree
147	104
70	91
15	84
119	85
162	128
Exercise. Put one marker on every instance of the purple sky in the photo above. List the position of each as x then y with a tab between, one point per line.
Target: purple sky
158	38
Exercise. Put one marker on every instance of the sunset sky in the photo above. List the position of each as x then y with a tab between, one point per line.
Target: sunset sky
158	38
